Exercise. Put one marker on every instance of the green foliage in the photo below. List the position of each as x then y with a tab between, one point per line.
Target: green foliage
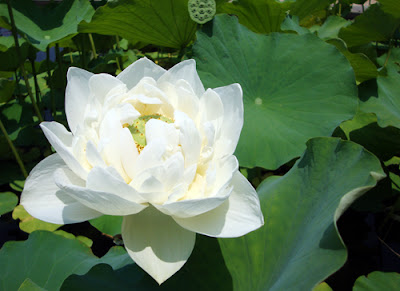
164	23
301	210
29	223
378	281
363	67
205	270
48	259
288	98
386	104
373	25
108	224
42	26
364	130
8	200
7	88
29	285
262	16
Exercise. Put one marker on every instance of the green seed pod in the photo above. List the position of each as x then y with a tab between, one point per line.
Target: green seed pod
138	128
201	11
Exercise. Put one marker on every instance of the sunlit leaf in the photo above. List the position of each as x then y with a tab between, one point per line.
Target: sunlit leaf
299	245
43	25
164	23
290	94
29	224
262	16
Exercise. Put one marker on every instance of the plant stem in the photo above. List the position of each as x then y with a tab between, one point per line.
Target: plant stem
22	68
83	53
14	150
37	91
119	60
50	83
93	46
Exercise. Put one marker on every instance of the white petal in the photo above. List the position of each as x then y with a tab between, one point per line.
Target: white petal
61	140
189	138
240	214
211	107
156	243
127	113
157	129
129	152
108	180
185	70
160	180
193	207
93	156
101	84
138	70
150	156
76	96
44	200
101	201
232	98
110	132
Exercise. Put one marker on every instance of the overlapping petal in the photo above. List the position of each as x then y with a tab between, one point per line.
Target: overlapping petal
76	96
43	199
239	215
156	243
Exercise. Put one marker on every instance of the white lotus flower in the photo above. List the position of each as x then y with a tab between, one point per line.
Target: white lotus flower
155	147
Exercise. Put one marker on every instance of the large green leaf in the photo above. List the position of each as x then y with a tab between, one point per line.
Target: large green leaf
8	53
48	259
364	130
386	105
8	200
331	27
262	16
6	89
363	67
48	24
306	9
373	25
165	23
391	7
108	224
205	270
294	87
378	281
299	245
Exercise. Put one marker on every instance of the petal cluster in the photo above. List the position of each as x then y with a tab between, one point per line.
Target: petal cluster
173	177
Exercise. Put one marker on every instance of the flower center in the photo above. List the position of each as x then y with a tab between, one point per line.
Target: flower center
138	128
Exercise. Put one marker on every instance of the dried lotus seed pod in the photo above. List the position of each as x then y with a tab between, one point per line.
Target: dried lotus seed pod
201	11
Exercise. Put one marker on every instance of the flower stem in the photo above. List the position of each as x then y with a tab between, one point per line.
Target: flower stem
14	150
37	90
93	46
22	68
50	84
